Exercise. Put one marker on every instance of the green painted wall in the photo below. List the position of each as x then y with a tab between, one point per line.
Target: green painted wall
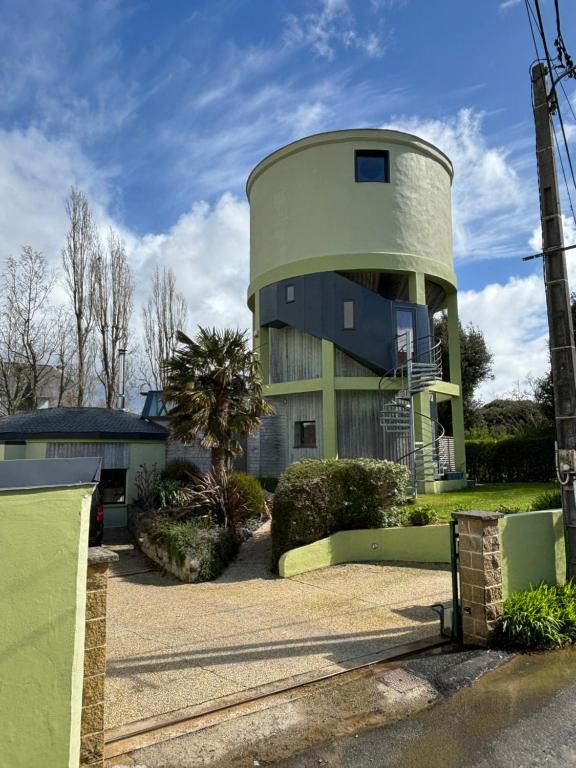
43	556
532	545
411	215
426	544
141	452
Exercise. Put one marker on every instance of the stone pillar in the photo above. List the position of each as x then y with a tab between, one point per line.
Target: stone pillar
92	731
479	565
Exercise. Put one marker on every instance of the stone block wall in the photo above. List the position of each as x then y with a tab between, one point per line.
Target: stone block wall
92	729
480	574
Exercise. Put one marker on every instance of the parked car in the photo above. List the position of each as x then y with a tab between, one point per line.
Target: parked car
96	520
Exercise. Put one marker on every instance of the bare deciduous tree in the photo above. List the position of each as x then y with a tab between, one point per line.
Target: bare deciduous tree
78	260
31	331
112	308
164	314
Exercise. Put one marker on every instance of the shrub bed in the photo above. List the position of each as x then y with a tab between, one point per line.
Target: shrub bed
539	619
192	550
315	498
511	459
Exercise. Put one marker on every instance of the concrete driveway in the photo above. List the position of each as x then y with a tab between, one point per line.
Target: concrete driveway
173	646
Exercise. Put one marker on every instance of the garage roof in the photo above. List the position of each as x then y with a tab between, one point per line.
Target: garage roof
79	423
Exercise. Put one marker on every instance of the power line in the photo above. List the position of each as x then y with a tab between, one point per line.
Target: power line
563	172
554	103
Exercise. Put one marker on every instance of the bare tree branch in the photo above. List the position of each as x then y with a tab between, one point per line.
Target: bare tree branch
164	314
78	260
112	308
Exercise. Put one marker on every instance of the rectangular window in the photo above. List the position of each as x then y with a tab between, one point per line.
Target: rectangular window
372	165
348	314
405	336
290	294
113	486
305	434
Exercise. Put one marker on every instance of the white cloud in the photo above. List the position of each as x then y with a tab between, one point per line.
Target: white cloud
208	247
332	25
512	318
506	4
490	205
208	250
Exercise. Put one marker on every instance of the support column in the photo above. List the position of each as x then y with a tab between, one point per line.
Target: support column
92	727
479	565
456	403
329	428
261	341
421	404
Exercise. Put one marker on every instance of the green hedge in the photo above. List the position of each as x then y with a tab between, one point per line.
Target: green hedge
315	498
213	547
511	459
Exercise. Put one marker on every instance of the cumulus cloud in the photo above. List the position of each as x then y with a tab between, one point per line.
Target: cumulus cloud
487	192
208	249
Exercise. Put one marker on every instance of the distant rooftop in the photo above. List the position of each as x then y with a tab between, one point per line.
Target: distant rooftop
80	423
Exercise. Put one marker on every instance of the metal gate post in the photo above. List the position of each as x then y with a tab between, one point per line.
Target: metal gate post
456	617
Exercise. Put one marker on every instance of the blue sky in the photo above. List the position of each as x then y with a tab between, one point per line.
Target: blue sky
159	110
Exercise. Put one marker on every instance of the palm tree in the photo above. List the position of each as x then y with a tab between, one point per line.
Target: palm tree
213	383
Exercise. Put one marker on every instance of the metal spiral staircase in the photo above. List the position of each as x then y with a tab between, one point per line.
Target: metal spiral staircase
418	363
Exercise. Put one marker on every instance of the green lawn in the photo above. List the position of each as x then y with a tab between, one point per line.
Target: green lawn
486	497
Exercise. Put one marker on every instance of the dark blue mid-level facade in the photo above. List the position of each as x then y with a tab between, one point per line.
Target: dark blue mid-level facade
358	320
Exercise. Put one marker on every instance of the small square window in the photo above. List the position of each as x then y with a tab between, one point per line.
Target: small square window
305	434
290	296
348	314
372	165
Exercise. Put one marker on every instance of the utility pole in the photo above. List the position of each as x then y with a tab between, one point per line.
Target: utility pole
562	351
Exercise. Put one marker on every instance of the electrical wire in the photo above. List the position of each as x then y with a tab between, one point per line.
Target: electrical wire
563	172
553	96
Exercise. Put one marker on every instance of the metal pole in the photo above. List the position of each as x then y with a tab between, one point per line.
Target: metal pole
562	351
122	387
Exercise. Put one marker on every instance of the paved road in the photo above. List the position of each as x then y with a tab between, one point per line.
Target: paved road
519	716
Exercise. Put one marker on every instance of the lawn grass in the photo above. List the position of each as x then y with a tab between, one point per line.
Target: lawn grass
486	497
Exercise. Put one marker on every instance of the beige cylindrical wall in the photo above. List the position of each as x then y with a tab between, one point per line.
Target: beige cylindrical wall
309	214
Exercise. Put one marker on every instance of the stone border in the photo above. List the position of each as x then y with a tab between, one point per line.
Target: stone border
92	728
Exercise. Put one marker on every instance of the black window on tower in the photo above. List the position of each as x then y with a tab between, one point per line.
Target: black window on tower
305	434
372	165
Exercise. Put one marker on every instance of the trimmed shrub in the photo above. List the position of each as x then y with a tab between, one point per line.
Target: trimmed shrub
539	619
317	497
212	547
251	494
547	500
181	470
517	459
420	516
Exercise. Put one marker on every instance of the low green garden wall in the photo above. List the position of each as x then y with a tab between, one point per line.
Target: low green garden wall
417	544
532	549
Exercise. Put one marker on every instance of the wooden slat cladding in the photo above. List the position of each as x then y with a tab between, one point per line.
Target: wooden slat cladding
345	365
359	432
113	455
294	355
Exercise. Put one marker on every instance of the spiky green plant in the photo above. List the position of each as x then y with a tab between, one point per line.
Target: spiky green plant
214	385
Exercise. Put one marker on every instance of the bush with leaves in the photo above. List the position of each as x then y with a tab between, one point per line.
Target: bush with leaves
517	459
317	497
181	470
420	516
541	618
212	547
146	480
547	500
250	492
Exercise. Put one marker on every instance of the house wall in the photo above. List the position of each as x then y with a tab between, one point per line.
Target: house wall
43	556
148	452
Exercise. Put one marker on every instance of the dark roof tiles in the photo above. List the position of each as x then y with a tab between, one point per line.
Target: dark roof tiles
94	423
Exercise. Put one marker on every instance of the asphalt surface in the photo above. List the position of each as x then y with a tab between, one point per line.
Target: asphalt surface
518	716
